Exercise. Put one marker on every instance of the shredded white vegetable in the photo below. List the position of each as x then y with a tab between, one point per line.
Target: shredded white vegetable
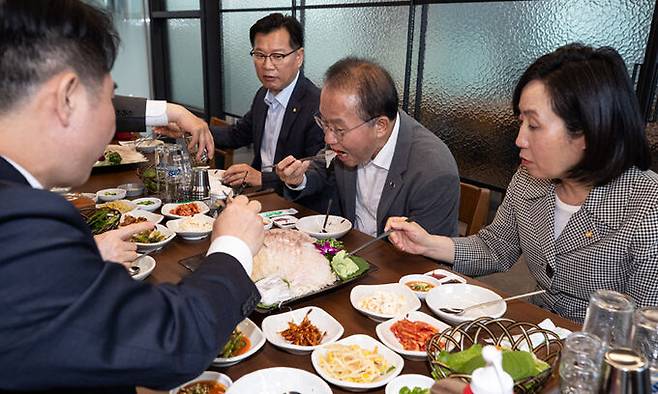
352	363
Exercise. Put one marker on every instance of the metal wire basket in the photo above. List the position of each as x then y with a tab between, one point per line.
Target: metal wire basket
498	332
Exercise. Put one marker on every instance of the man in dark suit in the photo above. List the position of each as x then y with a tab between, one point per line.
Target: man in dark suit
387	164
280	121
70	322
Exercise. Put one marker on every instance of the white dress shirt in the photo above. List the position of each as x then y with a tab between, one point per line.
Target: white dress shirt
227	244
370	180
156	113
277	108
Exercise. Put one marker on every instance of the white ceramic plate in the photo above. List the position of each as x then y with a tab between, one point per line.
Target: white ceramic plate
431	281
146	146
168	208
402	293
274	324
127	204
267	223
140	213
285	221
280	380
389	339
177	226
444	276
462	296
409	380
256	338
337	226
156	203
207	375
169	235
146	265
364	342
110	194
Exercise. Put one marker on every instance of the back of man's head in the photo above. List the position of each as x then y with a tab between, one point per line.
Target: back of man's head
369	81
40	38
277	21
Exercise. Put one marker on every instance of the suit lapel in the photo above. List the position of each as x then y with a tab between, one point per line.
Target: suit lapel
292	111
346	183
10	174
260	114
541	208
394	181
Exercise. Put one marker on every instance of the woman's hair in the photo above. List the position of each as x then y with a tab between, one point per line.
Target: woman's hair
590	90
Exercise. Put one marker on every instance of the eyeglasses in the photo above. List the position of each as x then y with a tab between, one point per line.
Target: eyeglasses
275	57
338	132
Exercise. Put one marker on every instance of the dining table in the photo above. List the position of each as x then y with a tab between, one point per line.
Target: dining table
390	264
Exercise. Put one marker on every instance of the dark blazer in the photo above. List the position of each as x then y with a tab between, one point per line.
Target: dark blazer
300	136
70	322
130	113
422	182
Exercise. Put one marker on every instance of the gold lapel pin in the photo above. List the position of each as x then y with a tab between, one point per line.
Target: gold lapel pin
589	234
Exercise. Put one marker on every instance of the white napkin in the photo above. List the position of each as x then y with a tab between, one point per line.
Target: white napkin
538	338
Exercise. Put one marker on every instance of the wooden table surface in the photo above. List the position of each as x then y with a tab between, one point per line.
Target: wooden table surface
391	265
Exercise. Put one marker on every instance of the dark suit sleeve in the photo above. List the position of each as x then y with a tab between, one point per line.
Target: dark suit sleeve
239	135
130	113
69	318
434	203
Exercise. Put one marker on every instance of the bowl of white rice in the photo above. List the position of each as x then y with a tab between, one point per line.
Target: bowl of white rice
194	227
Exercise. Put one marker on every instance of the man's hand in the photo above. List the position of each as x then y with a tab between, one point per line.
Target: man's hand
115	245
182	121
291	171
240	219
235	175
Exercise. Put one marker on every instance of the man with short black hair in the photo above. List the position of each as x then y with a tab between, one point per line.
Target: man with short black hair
280	121
69	321
387	164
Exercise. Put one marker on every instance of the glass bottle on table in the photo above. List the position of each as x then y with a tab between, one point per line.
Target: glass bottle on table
645	339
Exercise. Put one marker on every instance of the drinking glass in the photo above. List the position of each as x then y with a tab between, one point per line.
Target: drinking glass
580	364
610	317
645	339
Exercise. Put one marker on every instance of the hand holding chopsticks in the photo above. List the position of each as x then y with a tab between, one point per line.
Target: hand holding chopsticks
380	236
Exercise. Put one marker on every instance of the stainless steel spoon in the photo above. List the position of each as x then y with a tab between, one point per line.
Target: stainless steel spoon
460	311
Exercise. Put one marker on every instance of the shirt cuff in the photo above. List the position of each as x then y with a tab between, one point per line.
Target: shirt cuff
156	113
235	247
299	187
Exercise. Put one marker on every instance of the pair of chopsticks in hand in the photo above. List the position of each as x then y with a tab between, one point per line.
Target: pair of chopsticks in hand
316	157
380	236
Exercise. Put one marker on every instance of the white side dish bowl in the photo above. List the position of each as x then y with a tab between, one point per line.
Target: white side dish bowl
207	375
280	380
396	300
274	324
337	226
462	296
389	339
365	342
256	337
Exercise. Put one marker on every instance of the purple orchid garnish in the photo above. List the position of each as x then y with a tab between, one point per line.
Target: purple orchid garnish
329	247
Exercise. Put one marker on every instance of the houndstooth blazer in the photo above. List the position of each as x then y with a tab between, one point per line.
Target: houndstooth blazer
610	243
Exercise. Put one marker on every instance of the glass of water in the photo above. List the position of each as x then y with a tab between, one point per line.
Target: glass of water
610	317
580	364
645	339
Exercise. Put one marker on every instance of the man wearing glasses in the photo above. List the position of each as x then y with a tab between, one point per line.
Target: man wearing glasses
387	164
280	121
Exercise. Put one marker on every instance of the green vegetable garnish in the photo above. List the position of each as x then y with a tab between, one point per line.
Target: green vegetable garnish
113	157
236	342
343	265
415	390
517	363
104	219
147	202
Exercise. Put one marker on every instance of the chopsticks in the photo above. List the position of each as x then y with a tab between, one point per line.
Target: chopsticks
372	241
318	156
326	217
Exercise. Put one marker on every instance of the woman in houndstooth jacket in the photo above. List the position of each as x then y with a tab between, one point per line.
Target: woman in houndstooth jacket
583	206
